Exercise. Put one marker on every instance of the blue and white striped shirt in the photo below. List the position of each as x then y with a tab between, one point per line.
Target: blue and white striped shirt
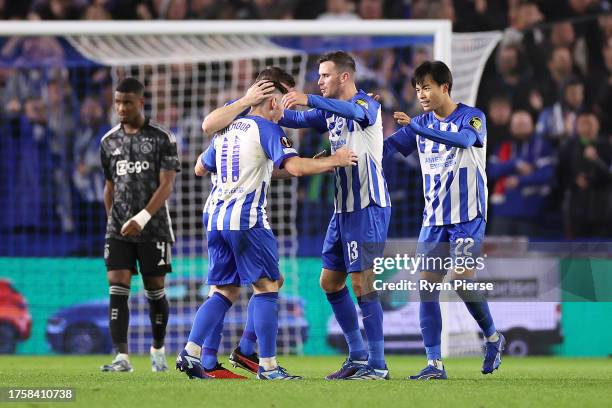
242	156
364	184
454	177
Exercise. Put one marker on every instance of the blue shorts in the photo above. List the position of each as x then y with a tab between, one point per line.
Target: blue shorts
355	238
242	257
459	244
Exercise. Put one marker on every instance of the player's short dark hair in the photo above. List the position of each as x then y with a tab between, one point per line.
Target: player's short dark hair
439	72
341	59
276	74
280	87
130	85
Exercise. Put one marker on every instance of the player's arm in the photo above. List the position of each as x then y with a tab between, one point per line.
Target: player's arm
312	118
403	141
348	110
136	224
283	174
206	161
464	138
109	192
302	166
170	165
223	116
109	186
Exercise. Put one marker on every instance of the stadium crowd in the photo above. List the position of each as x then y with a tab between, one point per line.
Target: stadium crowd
546	90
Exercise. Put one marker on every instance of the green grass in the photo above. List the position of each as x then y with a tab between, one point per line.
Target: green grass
540	382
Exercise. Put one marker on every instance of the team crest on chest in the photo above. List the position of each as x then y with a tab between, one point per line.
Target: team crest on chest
146	148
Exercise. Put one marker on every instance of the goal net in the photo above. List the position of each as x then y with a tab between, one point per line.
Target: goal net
58	94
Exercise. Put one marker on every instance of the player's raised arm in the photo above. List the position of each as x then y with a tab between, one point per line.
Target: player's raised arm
403	141
313	118
464	138
223	116
302	166
345	109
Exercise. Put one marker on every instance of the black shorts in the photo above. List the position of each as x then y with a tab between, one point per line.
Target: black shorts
153	257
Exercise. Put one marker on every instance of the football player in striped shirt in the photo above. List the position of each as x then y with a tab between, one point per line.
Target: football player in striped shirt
358	228
242	248
451	140
244	355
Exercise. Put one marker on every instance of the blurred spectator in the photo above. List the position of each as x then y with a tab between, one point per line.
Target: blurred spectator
436	9
498	122
371	9
560	68
26	192
96	12
87	172
480	15
559	120
601	86
206	9
309	9
526	15
522	170
510	78
10	10
584	168
55	10
339	10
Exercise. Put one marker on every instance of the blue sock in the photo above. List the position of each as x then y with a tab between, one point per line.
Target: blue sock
372	313
211	347
478	307
208	317
431	323
265	321
346	315
248	339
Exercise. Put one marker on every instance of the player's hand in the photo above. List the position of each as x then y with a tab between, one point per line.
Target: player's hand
258	92
376	97
512	182
130	228
523	168
294	98
401	118
345	157
199	170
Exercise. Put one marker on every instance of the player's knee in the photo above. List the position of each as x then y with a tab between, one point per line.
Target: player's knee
265	285
230	292
330	285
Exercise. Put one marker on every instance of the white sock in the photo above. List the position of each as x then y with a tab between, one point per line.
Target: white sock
122	356
268	363
493	338
436	363
161	350
193	349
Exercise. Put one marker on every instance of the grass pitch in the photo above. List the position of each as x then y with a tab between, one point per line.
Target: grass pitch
528	382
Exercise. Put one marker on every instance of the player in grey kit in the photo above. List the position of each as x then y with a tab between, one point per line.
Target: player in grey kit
140	162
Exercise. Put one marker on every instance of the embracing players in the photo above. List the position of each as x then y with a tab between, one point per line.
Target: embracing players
242	247
451	141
